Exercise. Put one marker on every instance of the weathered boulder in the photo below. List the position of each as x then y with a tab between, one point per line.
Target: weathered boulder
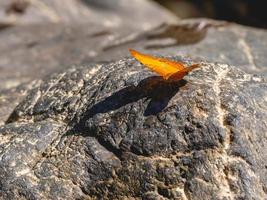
106	129
116	131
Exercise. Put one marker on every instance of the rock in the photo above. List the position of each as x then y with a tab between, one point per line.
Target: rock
10	98
202	39
36	51
49	36
41	47
109	13
115	131
80	120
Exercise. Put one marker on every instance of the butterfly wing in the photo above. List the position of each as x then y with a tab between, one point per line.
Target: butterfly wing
180	74
162	66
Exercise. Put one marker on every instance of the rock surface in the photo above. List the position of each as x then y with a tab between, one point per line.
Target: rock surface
116	131
109	13
35	47
32	52
202	39
48	35
81	120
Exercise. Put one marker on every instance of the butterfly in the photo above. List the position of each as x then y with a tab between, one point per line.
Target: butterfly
168	69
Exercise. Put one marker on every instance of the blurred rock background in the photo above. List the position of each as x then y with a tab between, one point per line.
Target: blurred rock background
246	12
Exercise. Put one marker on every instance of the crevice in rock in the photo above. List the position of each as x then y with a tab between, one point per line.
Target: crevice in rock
100	33
117	152
225	188
226	171
187	191
84	131
264	189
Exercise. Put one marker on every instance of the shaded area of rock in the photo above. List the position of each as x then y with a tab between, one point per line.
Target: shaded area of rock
120	132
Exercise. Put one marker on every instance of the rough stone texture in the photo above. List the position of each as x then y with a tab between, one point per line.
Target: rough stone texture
117	131
11	97
114	130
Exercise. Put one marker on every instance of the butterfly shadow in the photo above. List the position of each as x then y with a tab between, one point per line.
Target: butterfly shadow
154	89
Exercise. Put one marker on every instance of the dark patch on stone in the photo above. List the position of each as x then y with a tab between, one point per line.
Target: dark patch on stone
148	88
17	7
182	35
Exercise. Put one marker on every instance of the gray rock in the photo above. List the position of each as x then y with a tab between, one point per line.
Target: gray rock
117	131
56	35
49	36
202	39
34	52
10	98
109	13
114	130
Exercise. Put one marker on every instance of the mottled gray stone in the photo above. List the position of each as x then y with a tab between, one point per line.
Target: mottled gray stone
118	131
76	125
9	98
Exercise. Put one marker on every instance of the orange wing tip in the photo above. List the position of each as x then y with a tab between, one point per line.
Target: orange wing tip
192	67
133	52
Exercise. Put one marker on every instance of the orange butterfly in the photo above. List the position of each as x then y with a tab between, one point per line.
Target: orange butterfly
168	69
